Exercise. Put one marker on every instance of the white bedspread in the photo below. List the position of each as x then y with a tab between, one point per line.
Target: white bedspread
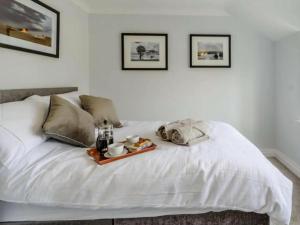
225	172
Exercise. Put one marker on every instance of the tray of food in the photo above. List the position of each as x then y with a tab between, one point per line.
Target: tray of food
122	150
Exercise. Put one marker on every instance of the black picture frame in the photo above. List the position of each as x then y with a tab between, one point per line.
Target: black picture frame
56	55
164	35
228	36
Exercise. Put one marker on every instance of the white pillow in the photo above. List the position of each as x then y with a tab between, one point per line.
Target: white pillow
72	97
24	119
21	128
11	148
21	125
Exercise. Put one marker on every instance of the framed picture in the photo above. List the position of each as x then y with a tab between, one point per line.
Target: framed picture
141	51
210	50
30	26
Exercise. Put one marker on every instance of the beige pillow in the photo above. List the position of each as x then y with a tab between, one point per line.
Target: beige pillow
69	123
101	109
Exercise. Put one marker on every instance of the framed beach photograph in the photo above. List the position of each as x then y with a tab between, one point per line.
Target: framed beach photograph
30	26
144	51
210	50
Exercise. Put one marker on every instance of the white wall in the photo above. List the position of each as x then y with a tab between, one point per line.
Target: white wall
25	70
288	96
242	95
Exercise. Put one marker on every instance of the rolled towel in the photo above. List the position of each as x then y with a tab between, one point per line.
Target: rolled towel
164	130
189	134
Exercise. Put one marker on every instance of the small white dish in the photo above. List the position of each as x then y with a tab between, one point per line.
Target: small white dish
107	155
133	139
116	148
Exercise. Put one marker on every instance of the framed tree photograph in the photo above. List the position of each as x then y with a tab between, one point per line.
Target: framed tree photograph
210	50
30	26
144	51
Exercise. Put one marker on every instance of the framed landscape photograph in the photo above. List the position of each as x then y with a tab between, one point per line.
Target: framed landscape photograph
144	51
210	50
30	26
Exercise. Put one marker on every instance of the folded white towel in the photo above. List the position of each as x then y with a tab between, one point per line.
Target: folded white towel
164	130
184	132
189	134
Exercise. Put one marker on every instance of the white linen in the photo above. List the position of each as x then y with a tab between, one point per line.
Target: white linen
225	172
10	148
20	124
27	212
24	119
72	97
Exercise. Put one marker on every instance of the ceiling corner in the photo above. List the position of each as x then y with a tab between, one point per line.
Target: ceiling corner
82	4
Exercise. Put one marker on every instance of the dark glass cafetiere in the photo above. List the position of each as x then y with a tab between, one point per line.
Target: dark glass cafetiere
105	137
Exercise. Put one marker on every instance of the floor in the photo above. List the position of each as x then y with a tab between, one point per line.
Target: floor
296	194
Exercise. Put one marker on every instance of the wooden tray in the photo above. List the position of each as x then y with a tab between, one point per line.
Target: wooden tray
102	160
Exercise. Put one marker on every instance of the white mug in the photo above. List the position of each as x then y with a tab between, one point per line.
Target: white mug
116	149
133	139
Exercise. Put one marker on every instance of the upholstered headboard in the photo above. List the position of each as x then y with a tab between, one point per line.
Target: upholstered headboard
20	94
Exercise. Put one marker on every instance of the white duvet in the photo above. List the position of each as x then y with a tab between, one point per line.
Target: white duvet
226	172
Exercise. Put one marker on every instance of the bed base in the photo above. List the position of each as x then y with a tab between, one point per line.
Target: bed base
211	218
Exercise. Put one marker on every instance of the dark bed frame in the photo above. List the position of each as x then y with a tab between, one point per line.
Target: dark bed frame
212	218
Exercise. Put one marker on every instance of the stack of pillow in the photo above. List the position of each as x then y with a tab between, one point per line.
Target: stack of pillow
67	117
72	124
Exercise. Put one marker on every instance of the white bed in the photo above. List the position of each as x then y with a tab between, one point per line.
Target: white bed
227	172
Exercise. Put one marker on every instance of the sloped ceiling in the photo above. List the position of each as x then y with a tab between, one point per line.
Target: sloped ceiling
169	7
274	18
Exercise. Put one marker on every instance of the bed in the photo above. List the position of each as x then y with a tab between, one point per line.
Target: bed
225	180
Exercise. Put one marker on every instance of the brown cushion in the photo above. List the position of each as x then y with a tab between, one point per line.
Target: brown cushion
69	123
101	109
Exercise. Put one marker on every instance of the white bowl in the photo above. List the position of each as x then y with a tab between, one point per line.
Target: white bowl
133	139
116	149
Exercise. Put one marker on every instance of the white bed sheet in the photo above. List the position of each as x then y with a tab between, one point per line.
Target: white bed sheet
27	212
226	172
